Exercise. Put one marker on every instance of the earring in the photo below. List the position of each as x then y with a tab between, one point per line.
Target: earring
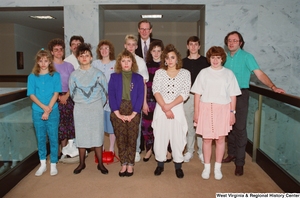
166	64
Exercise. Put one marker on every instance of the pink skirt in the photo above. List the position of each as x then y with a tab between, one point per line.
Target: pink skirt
213	120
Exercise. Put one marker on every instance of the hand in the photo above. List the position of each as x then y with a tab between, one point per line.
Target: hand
63	99
45	116
122	117
166	107
130	117
232	119
47	109
145	108
278	90
169	114
196	117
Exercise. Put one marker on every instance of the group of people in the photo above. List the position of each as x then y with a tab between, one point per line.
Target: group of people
148	98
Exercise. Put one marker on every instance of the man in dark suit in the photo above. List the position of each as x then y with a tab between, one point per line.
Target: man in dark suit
145	34
144	40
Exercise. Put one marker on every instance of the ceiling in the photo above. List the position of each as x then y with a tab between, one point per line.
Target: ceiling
113	13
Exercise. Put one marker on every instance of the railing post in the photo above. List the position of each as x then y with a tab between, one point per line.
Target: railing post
257	127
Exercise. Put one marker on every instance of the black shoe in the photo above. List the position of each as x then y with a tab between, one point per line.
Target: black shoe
158	170
239	170
228	159
123	174
128	174
179	173
103	170
169	160
79	169
146	159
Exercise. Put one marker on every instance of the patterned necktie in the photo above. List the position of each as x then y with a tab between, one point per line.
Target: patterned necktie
145	50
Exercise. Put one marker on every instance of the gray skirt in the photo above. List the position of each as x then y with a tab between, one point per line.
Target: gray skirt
88	120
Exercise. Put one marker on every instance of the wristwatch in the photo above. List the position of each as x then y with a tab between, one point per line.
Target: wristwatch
232	111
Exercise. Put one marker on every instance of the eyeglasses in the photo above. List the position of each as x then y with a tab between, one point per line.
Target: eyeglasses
104	48
75	44
58	50
233	41
144	29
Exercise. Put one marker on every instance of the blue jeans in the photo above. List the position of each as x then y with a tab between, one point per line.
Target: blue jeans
42	129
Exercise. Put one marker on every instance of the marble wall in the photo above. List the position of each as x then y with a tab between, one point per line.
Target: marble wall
17	135
270	28
279	135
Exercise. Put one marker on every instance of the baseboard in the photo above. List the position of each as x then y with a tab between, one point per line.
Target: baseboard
282	178
11	178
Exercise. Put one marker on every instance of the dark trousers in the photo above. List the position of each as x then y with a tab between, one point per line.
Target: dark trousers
237	138
126	133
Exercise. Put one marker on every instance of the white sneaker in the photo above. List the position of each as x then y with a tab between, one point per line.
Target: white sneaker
201	158
41	170
187	156
137	157
53	169
217	171
206	171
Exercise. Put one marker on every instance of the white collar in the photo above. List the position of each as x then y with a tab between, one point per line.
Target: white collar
147	42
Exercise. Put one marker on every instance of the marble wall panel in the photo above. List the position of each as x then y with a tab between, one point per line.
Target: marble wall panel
82	20
17	135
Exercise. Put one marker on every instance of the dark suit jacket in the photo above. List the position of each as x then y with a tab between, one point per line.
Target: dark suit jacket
139	50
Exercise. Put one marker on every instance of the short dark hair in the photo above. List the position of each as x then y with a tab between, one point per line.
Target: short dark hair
192	39
54	42
144	21
82	48
170	48
240	38
80	38
216	51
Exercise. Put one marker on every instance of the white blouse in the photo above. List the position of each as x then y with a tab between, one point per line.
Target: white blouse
216	86
171	88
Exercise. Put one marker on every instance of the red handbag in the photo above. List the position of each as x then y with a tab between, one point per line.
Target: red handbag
107	157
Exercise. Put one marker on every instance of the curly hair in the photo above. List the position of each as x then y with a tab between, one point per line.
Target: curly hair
126	54
41	54
153	44
170	48
111	49
216	51
54	42
82	48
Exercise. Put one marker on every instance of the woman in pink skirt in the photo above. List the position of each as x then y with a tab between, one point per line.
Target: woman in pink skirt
215	91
